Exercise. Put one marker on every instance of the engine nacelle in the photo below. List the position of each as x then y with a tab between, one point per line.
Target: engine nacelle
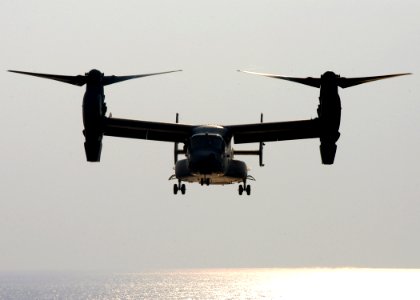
94	110
329	112
328	151
93	147
93	150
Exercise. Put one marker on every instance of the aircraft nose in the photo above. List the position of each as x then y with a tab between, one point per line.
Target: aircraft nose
205	163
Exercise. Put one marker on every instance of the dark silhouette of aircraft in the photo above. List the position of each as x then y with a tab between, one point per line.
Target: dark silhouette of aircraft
210	157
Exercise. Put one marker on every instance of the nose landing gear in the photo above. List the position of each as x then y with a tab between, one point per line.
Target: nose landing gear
205	181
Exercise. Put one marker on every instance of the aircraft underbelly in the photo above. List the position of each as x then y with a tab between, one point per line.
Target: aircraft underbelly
213	179
236	172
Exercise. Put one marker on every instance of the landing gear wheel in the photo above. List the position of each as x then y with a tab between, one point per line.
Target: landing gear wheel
248	190
240	189
179	187
244	188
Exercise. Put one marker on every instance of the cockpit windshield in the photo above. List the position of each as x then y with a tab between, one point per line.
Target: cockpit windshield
207	141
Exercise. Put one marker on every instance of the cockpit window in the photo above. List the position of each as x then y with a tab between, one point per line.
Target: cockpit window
206	141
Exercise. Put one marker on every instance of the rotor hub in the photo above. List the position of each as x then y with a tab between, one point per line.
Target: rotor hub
330	75
94	76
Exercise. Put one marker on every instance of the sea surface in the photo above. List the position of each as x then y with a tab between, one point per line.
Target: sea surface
215	284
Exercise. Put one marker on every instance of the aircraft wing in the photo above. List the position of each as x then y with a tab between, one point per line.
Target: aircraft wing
156	131
244	133
276	131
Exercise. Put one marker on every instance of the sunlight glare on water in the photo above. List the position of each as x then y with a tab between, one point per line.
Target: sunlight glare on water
341	284
217	284
286	284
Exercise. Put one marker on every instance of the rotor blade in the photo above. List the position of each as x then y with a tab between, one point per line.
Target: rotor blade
349	82
114	79
314	82
75	80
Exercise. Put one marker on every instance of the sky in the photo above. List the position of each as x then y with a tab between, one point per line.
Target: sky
59	212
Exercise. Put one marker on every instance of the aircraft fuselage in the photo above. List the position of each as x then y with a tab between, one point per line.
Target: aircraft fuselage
210	158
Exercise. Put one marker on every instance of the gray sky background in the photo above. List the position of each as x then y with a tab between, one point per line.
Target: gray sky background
58	212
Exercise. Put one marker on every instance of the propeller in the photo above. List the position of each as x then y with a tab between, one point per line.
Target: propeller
114	79
316	82
349	82
75	80
93	76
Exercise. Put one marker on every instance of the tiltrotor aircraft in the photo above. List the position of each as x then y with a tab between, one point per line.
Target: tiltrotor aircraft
210	157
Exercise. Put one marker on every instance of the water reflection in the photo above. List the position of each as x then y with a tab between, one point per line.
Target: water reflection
216	284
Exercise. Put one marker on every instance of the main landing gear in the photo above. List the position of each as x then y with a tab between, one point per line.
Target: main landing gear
179	187
244	187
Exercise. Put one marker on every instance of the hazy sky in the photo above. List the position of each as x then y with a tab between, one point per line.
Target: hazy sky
59	212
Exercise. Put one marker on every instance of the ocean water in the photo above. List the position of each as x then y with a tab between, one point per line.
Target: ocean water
215	284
